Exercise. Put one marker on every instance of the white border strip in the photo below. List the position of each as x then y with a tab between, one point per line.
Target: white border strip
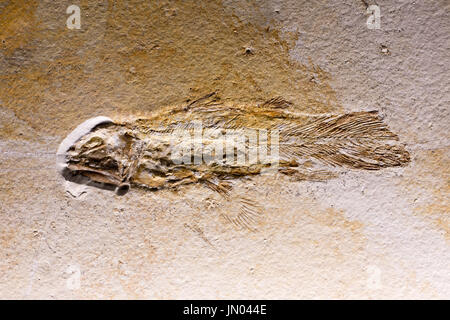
76	135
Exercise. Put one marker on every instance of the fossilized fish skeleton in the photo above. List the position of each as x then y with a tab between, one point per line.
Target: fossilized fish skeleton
213	143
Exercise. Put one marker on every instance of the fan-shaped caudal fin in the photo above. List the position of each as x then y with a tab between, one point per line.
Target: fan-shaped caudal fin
243	213
356	140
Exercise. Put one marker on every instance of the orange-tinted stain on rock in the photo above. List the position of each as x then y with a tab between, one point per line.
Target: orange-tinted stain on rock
135	56
17	25
434	172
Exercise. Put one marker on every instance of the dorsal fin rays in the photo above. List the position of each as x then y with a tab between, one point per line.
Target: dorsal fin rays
207	100
276	103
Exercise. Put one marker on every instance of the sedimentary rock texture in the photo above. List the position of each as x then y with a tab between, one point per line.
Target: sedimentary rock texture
358	234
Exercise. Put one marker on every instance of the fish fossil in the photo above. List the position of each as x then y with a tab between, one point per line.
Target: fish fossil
213	143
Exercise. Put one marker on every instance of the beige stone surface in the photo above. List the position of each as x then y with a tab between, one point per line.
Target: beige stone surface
382	234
